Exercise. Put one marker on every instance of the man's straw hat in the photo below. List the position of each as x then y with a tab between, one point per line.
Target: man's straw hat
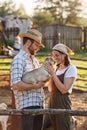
63	48
33	34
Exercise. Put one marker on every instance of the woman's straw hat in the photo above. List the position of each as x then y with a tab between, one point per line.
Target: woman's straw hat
33	34
63	48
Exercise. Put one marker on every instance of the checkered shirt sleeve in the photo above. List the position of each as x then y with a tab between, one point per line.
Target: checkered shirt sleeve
16	70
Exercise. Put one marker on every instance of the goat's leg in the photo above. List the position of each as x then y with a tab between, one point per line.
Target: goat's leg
4	125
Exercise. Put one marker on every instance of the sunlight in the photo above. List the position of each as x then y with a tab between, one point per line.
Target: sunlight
28	5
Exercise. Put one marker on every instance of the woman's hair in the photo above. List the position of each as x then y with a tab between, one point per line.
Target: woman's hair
67	59
26	38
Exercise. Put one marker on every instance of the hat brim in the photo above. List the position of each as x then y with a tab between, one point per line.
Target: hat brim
32	37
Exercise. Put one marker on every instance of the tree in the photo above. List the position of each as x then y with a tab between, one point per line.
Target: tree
63	11
42	18
9	8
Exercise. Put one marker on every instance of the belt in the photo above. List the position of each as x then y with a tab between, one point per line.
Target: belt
33	107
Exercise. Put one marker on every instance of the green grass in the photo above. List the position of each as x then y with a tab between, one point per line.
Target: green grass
81	54
80	63
5	60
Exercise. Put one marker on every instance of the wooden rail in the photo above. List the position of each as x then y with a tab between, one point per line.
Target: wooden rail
81	68
43	111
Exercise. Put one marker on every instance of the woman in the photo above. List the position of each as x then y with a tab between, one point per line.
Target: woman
60	85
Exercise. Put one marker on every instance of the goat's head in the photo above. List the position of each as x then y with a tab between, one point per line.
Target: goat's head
49	60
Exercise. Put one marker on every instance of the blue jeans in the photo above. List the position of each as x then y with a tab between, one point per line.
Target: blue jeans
30	122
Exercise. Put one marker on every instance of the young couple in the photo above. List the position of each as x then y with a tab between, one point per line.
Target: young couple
60	84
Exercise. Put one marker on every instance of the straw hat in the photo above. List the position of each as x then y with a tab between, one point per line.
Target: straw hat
63	48
33	34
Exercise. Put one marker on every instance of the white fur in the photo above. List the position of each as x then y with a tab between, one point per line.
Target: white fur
3	119
73	123
37	75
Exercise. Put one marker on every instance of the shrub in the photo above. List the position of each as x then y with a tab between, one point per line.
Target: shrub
9	42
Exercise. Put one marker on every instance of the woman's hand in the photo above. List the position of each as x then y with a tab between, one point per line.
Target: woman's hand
49	68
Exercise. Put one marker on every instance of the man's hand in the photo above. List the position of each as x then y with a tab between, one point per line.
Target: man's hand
21	86
40	84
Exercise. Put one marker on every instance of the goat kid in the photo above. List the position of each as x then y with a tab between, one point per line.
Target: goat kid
37	75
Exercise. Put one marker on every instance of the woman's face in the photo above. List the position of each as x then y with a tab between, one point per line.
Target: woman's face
58	57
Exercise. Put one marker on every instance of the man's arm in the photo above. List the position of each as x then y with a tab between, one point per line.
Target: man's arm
21	86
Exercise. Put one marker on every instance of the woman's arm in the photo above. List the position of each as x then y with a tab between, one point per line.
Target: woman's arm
63	88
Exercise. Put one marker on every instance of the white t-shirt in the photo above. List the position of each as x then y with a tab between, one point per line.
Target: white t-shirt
70	72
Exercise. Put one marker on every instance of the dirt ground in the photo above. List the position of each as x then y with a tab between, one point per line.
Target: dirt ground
78	98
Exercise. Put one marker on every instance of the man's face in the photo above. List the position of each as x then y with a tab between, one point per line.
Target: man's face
34	47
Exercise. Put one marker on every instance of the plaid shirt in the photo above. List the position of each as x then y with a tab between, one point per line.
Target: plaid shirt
20	65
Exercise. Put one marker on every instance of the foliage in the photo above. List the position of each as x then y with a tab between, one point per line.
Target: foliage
42	18
81	22
9	8
63	12
9	42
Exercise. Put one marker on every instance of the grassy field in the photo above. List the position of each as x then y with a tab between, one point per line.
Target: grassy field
82	74
81	54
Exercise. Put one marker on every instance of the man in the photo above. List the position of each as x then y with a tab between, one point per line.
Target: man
27	96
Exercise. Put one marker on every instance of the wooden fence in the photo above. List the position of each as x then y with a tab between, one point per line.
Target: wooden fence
74	37
71	36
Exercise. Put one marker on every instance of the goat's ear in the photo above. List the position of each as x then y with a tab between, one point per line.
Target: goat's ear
46	59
